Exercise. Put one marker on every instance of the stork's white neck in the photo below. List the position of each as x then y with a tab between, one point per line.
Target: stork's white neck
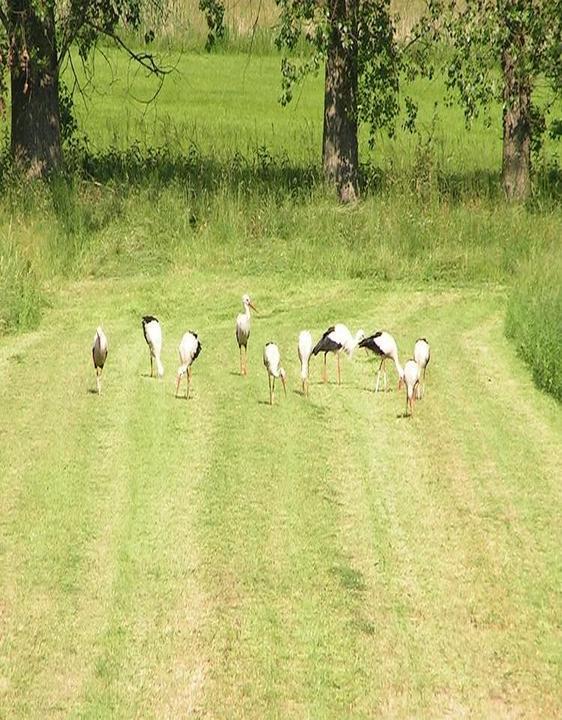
359	335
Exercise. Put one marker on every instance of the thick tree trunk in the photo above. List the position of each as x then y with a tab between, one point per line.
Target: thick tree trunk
516	165
339	145
35	138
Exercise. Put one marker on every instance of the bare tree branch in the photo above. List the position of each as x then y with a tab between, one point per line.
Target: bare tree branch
72	34
254	29
144	59
76	83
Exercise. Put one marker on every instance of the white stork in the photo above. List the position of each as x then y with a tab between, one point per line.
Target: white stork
100	349
243	332
384	345
189	349
337	338
411	380
422	356
153	335
305	350
272	362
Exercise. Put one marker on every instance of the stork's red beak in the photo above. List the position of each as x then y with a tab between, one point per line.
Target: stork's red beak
253	307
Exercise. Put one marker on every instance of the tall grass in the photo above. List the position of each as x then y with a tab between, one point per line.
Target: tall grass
22	296
252	23
534	318
216	175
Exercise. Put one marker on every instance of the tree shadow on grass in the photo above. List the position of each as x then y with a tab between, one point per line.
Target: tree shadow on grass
262	172
158	167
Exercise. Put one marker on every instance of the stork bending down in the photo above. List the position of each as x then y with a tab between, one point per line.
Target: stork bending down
334	340
272	362
99	355
189	349
422	356
384	345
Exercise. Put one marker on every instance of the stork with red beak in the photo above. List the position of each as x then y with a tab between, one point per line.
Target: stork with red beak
243	332
272	362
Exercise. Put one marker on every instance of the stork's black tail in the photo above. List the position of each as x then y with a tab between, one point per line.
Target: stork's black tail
371	344
326	344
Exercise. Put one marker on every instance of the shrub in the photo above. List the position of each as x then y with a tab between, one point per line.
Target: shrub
20	290
534	319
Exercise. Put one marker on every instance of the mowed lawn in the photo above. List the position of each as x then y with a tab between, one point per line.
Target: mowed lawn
322	558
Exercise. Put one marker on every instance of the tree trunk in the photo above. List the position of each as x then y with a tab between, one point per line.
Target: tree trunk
35	137
339	144
516	165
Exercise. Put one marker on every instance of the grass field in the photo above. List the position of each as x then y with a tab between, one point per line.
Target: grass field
321	558
324	558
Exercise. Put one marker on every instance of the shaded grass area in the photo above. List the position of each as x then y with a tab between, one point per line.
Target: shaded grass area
534	319
221	558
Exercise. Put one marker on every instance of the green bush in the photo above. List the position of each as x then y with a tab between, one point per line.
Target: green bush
534	319
21	296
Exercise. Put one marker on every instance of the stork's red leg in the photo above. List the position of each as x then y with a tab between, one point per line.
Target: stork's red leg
339	371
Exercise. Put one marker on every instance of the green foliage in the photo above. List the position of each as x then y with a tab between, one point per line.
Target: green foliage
534	318
381	59
60	26
214	15
68	121
479	32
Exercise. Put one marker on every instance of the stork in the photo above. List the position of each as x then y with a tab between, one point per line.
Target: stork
337	338
305	349
99	355
243	332
153	335
384	345
272	362
189	349
422	357
411	380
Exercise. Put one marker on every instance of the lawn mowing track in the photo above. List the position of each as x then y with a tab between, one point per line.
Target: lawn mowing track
327	557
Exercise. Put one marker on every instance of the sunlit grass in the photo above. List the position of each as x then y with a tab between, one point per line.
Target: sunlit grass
324	558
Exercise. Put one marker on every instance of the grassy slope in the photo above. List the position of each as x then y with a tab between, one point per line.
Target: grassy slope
325	558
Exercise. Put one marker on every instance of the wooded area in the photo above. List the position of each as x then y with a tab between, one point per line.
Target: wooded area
494	50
